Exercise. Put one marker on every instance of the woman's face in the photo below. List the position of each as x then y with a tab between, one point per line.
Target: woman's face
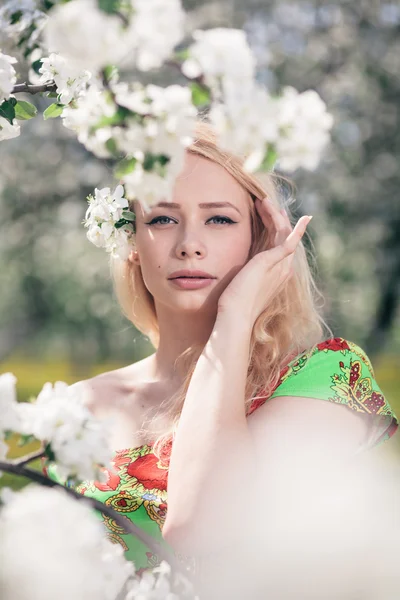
215	239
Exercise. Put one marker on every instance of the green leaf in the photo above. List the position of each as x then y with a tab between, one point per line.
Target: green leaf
52	95
16	17
49	452
8	434
7	109
116	119
108	6
269	160
25	439
111	146
109	72
201	96
128	215
125	223
182	54
125	166
53	111
36	65
25	110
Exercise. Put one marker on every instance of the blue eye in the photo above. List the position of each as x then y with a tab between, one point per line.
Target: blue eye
226	220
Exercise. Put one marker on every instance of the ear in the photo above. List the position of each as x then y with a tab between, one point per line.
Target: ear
134	257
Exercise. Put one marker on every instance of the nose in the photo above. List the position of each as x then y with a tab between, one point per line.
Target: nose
190	246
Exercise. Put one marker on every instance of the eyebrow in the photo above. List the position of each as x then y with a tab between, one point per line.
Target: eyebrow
202	205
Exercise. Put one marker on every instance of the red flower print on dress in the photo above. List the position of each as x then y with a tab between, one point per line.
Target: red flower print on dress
334	344
113	481
148	472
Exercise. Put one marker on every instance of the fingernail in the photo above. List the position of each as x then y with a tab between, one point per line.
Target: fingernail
309	218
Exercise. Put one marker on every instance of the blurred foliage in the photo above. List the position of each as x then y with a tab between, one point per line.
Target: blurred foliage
56	296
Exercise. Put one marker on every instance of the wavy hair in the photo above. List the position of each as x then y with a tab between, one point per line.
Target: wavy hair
290	324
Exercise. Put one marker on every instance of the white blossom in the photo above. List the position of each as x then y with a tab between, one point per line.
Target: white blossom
86	36
157	27
31	20
9	418
8	131
218	54
168	123
8	76
104	210
246	122
146	186
60	417
70	81
86	113
304	125
53	546
251	122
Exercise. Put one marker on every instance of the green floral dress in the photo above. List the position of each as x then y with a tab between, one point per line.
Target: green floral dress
336	370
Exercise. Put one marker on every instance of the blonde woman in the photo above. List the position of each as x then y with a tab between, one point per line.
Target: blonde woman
247	399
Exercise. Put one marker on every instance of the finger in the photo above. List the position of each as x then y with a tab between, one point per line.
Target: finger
271	215
290	244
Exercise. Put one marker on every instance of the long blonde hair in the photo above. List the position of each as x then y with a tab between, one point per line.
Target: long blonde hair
288	325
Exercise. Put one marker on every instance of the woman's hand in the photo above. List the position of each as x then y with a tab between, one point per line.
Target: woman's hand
256	284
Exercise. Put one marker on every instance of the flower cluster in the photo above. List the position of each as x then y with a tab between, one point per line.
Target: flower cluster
70	81
146	129
8	76
22	22
218	55
92	39
156	133
110	222
294	134
9	417
59	418
48	527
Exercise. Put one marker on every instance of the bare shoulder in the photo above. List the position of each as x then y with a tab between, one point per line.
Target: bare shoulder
105	389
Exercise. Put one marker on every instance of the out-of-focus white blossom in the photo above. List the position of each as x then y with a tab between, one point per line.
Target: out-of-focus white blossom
8	131
304	124
31	21
148	187
70	82
52	546
8	76
90	38
86	113
104	211
168	120
86	36
246	122
219	54
60	417
250	121
156	27
9	416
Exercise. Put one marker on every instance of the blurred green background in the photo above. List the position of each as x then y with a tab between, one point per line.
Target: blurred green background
59	319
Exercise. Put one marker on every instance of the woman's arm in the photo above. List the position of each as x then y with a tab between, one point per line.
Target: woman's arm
213	458
229	474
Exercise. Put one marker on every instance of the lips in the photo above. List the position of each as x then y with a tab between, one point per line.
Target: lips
190	274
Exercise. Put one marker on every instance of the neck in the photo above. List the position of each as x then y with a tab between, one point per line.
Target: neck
178	332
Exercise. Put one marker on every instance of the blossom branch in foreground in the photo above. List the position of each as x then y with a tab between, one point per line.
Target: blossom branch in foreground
24	460
130	528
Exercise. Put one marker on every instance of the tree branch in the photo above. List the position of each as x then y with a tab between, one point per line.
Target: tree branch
34	89
127	525
21	462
